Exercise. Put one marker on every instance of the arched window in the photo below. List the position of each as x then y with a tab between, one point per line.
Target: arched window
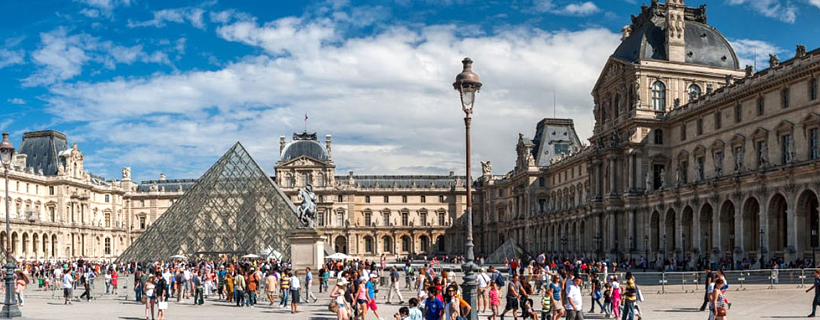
658	96
693	91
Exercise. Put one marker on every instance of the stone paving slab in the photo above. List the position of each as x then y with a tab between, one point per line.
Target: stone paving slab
755	303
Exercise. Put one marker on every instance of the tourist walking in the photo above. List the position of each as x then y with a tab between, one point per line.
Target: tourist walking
68	286
115	277
239	288
513	293
230	291
196	283
616	297
108	282
434	308
483	281
555	291
717	303
337	296
86	287
596	293
285	286
708	282
452	307
816	286
394	286
295	286
270	286
252	284
20	287
371	298
629	297
308	284
162	294
495	301
575	305
149	297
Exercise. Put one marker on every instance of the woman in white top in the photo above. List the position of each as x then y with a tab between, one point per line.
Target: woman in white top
338	294
149	298
451	309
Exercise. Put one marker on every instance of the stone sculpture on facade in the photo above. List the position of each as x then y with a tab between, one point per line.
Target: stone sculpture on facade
739	160
486	168
764	155
126	173
792	151
307	210
663	179
648	183
719	164
698	171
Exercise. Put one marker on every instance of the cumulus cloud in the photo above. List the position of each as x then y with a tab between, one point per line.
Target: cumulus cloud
192	15
815	3
61	56
570	9
755	52
392	88
102	7
781	10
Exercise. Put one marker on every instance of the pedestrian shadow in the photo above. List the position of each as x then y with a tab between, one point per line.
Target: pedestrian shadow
785	317
681	310
322	318
130	318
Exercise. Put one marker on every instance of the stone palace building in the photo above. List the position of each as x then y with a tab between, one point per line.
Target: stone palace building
691	156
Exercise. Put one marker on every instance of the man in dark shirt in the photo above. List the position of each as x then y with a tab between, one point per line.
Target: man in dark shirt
513	293
816	287
710	277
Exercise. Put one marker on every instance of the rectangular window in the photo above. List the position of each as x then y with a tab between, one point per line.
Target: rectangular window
718	120
340	198
738	113
107	245
700	126
542	182
658	136
441	218
386	199
701	163
366	199
51	191
542	205
321	199
142	223
368	218
142	203
684	170
761	106
405	219
52	214
107	198
404	199
683	132
785	156
386	219
785	96
423	218
441	199
340	219
423	199
814	144
813	89
321	218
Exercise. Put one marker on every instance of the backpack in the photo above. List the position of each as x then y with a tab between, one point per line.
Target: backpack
499	280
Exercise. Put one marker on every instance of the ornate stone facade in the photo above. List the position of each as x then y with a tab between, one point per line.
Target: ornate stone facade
371	215
726	172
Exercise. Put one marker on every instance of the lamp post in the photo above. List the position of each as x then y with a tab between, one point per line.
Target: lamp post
10	309
467	85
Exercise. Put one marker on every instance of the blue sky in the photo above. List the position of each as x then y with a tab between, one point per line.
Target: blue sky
168	86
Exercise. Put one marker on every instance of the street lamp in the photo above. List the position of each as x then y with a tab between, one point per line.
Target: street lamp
10	309
467	85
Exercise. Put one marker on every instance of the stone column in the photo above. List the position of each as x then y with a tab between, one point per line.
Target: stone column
793	244
612	176
631	169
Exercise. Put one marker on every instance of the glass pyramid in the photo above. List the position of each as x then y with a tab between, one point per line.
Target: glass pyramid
233	209
508	250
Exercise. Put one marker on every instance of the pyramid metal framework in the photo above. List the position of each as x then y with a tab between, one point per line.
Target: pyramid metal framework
508	250
234	208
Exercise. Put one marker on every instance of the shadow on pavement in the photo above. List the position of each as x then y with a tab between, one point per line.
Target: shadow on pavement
682	310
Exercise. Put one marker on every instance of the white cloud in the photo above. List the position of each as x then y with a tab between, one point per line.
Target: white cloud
102	7
392	88
815	3
570	9
17	101
11	57
192	15
61	56
781	10
755	52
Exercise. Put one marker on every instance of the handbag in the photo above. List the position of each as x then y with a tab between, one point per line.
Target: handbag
720	311
163	305
596	295
333	306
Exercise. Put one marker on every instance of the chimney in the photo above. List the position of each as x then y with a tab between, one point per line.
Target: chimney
327	146
281	144
162	177
675	25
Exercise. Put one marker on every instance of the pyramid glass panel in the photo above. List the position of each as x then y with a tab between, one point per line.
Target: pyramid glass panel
234	208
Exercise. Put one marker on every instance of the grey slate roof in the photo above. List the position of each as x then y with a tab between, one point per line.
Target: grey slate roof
704	44
42	149
169	185
304	144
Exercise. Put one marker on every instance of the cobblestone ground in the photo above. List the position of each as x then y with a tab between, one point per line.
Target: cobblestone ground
755	303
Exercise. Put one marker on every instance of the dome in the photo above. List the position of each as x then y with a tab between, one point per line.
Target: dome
703	44
304	145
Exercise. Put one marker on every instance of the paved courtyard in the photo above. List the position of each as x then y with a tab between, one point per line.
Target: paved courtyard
755	303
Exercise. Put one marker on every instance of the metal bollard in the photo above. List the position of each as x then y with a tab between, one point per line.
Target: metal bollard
771	282
741	279
802	279
663	283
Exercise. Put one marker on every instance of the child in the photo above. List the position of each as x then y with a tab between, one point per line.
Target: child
494	300
527	310
608	299
546	306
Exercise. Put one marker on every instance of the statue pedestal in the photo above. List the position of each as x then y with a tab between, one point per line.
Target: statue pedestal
307	249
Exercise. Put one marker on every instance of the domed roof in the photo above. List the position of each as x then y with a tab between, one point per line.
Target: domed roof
703	44
304	145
